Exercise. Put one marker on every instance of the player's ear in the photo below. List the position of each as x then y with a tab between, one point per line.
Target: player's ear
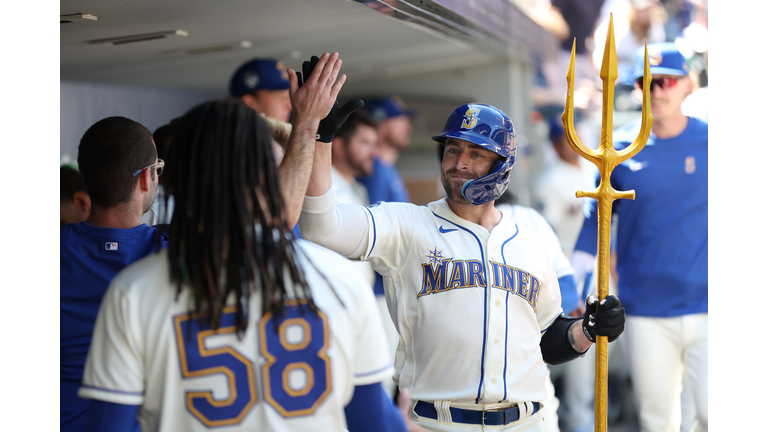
145	180
82	202
250	100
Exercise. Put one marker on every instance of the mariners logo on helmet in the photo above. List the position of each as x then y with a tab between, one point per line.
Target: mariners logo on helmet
654	56
491	129
470	118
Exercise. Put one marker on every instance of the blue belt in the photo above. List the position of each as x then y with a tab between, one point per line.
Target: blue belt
502	416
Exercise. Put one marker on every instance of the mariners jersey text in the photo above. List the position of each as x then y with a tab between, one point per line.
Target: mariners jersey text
445	274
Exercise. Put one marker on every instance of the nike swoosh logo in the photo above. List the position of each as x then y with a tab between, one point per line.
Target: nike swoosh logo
443	230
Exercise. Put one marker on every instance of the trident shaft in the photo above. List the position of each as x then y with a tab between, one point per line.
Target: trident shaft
606	158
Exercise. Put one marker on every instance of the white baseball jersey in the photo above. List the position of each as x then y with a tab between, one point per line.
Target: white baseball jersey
470	306
533	220
292	374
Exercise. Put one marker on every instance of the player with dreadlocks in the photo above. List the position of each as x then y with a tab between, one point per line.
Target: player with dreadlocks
236	323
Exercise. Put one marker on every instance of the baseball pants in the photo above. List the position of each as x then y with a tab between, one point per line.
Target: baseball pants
550	406
534	423
660	352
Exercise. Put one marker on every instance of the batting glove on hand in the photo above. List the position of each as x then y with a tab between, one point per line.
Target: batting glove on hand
607	321
338	114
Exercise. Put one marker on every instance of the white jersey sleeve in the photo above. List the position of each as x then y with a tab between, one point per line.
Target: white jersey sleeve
115	372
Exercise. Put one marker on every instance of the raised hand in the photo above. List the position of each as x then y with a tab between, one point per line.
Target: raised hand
313	95
338	114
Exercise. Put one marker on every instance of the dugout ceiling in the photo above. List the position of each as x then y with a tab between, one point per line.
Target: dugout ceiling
376	39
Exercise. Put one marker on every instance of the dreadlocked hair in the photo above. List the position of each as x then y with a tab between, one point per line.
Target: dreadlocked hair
228	235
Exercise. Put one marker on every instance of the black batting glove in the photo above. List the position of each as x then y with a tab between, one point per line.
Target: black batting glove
307	67
604	318
333	121
338	114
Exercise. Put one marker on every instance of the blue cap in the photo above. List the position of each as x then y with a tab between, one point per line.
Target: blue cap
664	58
258	74
556	128
386	108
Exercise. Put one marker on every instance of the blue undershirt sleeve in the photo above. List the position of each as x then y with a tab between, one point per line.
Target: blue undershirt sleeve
372	410
569	295
107	416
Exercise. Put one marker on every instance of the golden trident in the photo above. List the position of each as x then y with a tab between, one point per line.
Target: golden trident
606	158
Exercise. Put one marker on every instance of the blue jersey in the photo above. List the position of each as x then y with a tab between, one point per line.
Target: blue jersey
90	257
384	184
661	241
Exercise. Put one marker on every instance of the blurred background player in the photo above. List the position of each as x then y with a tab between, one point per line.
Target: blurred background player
120	170
662	248
353	151
263	85
395	129
556	185
75	203
158	213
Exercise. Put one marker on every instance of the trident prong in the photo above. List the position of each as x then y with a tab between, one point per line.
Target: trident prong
606	158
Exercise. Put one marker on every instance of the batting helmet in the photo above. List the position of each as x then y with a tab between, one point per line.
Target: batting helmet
491	129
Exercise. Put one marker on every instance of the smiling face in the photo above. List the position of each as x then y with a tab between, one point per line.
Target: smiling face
462	162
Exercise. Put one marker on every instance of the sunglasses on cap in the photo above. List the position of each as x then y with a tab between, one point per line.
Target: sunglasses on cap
663	82
158	165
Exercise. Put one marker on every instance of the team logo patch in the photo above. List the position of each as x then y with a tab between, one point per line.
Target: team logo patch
251	80
434	256
376	204
690	165
654	56
110	246
283	72
470	118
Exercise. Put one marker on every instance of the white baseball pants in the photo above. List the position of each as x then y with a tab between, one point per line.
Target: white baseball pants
660	352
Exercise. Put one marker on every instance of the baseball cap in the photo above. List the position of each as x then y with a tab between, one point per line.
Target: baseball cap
384	108
258	74
664	58
556	128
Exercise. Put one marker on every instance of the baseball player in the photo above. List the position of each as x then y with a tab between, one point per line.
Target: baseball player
473	295
236	325
662	248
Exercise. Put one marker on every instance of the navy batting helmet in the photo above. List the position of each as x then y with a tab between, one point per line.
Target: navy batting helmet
491	129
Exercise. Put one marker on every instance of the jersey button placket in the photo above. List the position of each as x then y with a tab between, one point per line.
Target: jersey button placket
495	346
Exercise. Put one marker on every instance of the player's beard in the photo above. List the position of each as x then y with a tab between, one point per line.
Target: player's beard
453	188
361	167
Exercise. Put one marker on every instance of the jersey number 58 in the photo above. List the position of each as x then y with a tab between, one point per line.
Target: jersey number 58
296	377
